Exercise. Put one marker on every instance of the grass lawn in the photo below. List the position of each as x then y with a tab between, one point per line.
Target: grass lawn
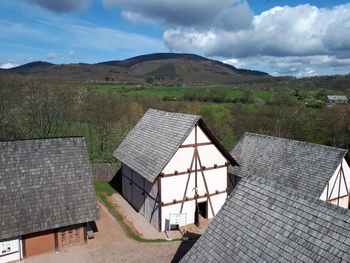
104	187
158	92
175	92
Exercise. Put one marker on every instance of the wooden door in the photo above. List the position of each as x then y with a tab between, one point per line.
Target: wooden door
38	243
71	235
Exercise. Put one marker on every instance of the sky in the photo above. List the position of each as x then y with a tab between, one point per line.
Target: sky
297	38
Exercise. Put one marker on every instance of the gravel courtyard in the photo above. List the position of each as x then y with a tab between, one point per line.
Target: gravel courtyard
111	244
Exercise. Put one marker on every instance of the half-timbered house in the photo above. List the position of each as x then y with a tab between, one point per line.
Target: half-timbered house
318	170
265	221
172	163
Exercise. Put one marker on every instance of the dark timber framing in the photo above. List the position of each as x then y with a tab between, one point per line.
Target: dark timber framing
196	144
145	144
159	180
340	176
193	198
195	172
198	170
196	159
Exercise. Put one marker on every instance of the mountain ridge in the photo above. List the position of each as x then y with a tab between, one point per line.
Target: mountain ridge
160	68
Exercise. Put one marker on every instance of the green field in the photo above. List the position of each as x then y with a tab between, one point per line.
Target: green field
173	92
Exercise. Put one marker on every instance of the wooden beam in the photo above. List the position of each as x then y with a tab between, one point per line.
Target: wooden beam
196	144
192	171
195	178
333	199
188	180
160	203
335	181
187	199
339	181
346	186
205	183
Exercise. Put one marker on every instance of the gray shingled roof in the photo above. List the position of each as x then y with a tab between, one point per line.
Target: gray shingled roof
44	184
154	140
263	221
300	165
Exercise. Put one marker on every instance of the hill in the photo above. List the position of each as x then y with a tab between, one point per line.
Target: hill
171	56
160	68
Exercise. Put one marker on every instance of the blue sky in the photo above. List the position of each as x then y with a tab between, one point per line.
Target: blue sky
300	38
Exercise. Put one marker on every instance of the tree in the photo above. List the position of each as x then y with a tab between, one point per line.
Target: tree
104	115
46	108
281	99
247	96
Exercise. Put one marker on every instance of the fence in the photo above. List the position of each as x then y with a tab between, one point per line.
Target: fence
104	171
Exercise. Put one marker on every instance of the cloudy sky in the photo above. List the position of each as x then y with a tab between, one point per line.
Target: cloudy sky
300	38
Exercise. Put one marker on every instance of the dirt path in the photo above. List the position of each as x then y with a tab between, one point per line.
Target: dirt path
111	244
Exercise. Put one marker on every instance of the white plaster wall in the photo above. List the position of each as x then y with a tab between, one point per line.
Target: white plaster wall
181	161
343	202
209	154
336	181
201	137
173	187
189	209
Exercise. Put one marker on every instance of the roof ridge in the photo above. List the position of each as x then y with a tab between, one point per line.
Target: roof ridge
44	138
173	112
291	140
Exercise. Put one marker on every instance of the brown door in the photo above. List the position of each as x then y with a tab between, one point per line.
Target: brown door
71	235
39	243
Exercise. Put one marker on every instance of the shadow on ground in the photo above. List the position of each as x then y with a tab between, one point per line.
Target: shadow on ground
184	247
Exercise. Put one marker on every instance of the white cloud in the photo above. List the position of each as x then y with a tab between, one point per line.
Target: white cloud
235	62
280	31
51	55
8	65
201	14
71	54
302	40
136	18
310	65
61	6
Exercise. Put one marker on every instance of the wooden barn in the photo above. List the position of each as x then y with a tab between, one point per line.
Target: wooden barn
173	164
265	221
47	196
317	170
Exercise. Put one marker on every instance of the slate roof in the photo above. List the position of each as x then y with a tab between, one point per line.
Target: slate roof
44	184
264	221
154	140
299	165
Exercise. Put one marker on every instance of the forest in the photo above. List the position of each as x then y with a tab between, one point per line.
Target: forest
32	107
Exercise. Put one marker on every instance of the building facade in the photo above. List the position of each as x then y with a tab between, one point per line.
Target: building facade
173	164
317	170
47	196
